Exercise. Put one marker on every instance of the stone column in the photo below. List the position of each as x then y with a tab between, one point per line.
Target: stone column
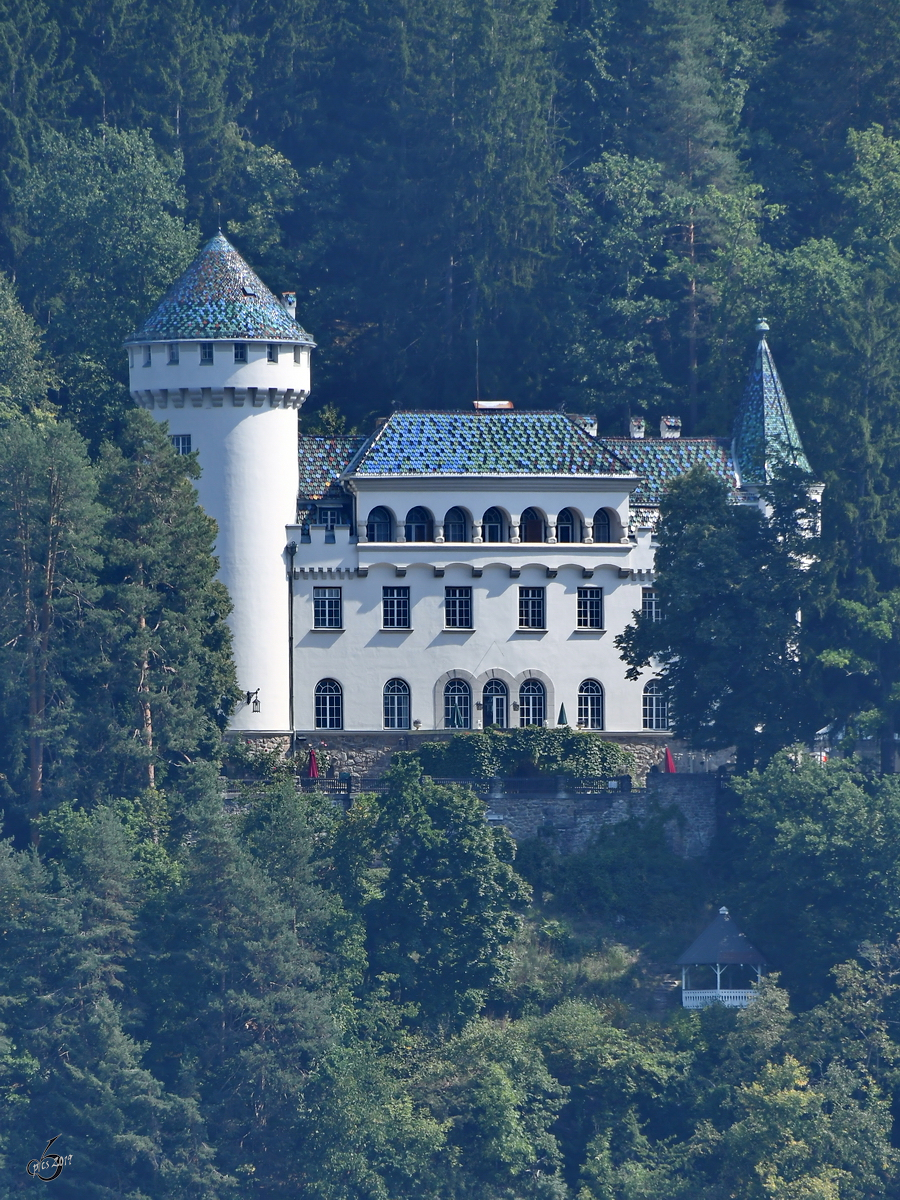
477	537
589	533
439	533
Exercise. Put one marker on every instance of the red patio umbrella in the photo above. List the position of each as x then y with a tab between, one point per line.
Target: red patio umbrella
668	763
313	769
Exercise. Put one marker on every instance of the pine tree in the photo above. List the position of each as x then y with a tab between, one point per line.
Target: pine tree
49	533
162	682
235	999
65	946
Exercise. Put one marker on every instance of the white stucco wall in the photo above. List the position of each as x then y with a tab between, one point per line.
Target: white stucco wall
249	482
363	657
163	380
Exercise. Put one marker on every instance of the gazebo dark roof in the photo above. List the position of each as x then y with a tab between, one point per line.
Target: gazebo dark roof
721	942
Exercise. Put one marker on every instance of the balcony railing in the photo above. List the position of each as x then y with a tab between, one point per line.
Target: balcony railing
730	997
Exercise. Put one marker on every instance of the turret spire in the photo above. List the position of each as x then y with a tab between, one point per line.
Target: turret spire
765	436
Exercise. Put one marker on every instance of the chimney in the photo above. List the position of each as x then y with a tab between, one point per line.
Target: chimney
670	427
289	300
637	427
588	424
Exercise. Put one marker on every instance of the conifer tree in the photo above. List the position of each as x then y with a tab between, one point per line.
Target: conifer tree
49	534
163	682
236	1010
65	945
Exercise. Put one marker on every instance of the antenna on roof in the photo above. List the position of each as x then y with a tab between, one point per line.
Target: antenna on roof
219	207
477	371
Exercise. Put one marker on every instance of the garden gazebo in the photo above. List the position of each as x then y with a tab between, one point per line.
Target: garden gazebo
721	967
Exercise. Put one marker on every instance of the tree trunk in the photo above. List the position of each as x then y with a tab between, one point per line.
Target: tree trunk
146	709
693	322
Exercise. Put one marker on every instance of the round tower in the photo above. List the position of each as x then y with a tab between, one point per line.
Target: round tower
226	364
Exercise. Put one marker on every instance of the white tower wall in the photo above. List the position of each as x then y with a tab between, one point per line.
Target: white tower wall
225	363
249	483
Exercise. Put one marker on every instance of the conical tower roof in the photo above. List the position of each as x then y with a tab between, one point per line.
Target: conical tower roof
765	436
220	297
721	942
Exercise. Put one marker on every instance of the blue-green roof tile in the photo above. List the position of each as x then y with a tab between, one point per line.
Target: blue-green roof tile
660	460
322	462
765	435
220	298
501	443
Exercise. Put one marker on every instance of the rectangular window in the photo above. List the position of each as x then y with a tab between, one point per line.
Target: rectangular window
173	353
531	608
298	355
331	517
240	351
590	608
272	352
181	443
206	352
327	608
650	610
458	607
148	356
395	608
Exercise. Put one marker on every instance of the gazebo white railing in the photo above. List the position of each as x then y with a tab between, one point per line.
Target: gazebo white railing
730	997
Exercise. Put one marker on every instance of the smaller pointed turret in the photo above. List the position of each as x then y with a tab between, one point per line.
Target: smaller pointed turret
765	436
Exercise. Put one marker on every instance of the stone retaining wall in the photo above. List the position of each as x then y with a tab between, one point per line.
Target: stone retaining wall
571	822
369	754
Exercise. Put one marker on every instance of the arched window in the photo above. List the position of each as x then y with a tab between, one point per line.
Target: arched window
455	526
590	705
329	704
419	525
457	705
602	526
396	704
532	703
656	706
532	527
495	701
492	525
378	526
568	528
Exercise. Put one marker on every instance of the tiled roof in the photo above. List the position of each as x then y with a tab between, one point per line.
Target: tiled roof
502	443
220	297
764	430
322	462
660	460
721	942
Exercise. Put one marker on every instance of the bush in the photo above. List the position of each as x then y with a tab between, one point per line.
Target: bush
529	751
627	870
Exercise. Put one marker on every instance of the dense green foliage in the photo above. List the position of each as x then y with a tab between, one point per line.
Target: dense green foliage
276	997
526	751
726	640
116	664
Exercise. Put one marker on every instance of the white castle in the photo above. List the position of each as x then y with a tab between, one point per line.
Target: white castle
451	570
